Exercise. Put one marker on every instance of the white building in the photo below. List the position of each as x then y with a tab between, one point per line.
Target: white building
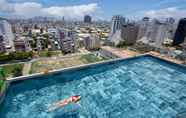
54	38
143	25
92	42
154	32
53	31
8	36
117	22
116	38
158	34
116	26
80	39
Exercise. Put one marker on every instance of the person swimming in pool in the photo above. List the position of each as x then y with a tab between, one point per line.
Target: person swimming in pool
73	99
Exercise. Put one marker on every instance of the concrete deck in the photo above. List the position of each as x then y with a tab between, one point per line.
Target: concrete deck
121	52
165	57
124	53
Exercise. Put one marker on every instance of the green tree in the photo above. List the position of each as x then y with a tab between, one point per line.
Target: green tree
5	57
2	74
17	71
121	44
45	53
2	80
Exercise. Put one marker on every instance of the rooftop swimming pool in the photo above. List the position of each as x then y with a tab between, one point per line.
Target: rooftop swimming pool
141	87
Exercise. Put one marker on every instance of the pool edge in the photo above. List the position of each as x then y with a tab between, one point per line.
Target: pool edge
31	76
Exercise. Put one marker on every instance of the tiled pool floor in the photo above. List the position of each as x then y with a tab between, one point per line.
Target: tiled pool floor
139	88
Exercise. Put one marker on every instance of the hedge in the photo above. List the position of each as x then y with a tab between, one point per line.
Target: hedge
15	56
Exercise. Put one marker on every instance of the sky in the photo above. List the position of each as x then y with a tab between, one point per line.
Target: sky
98	9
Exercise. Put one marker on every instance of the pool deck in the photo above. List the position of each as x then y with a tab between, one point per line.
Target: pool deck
122	53
125	53
156	54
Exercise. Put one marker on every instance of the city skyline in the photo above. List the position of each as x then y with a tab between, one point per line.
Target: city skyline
98	9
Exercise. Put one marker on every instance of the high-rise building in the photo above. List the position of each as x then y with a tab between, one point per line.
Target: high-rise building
154	32
116	26
143	25
67	40
129	33
158	33
87	19
2	45
117	22
116	38
8	36
171	29
92	42
180	32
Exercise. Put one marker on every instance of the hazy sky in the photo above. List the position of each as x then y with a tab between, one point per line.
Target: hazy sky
100	9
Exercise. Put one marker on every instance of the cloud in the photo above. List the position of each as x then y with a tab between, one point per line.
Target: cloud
28	9
71	11
167	12
5	6
31	9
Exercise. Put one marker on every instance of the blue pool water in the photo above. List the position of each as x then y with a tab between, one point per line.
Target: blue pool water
143	87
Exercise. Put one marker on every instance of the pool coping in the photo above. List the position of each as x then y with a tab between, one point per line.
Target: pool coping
32	76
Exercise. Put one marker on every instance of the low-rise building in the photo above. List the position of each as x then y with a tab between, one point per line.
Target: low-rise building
53	39
22	45
67	40
40	43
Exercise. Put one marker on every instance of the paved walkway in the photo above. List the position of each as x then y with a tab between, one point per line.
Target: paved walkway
26	68
84	51
165	57
123	53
